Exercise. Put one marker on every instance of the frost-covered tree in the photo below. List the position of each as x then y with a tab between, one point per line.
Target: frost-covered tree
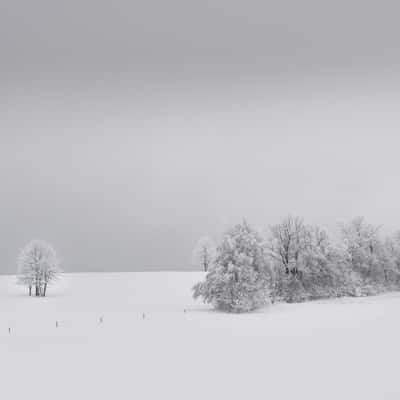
368	256
26	272
306	264
239	280
204	253
392	245
360	239
289	239
38	266
392	265
361	243
323	270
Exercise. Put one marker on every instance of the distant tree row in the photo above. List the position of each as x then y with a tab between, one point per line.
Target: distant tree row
38	266
296	262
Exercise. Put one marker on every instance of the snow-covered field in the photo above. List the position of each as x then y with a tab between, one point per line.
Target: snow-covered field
336	349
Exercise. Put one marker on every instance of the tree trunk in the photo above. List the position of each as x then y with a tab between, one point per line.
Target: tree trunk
44	290
30	290
37	290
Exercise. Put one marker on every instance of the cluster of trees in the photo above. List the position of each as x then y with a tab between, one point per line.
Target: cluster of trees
38	266
296	262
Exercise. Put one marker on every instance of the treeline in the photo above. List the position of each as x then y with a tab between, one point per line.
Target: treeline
296	262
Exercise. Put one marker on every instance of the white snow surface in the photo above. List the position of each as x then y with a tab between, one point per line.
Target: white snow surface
333	349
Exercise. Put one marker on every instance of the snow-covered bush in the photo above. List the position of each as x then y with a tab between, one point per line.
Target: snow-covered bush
204	253
38	266
239	280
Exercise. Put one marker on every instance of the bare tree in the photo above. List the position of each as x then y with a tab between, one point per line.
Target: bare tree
204	252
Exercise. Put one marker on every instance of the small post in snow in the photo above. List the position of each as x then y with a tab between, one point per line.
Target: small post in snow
9	331
101	320
143	316
56	324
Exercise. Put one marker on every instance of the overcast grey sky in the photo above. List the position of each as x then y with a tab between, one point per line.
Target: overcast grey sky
129	129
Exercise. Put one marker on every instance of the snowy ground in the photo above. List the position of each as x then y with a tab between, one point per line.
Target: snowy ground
337	349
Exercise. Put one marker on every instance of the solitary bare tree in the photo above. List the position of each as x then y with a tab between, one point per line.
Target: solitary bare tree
204	252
